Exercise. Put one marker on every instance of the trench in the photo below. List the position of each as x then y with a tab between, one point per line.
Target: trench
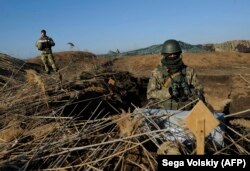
99	98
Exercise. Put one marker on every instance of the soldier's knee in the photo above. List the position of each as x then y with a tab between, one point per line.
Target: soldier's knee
44	60
51	58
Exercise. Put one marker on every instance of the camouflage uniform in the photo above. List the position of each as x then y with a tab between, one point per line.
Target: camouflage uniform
161	85
44	44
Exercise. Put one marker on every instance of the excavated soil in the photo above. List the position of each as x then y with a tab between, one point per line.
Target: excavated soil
82	115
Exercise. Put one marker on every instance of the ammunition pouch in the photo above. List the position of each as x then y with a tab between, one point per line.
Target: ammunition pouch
40	46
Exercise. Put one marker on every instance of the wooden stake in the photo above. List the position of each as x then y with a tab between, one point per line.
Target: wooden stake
201	122
200	136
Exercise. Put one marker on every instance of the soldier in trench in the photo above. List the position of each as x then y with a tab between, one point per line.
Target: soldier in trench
173	85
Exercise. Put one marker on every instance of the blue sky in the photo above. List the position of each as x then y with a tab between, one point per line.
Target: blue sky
102	25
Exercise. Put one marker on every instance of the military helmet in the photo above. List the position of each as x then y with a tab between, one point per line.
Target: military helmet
171	46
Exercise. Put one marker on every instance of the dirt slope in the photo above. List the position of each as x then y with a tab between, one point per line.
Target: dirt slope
70	63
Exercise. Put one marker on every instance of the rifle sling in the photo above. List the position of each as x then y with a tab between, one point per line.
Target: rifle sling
169	79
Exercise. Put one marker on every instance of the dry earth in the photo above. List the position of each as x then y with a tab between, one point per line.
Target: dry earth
34	130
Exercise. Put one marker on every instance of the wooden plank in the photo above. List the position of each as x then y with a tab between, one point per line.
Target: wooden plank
201	111
201	122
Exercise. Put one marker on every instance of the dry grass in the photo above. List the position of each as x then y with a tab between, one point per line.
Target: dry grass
38	133
241	122
142	65
68	143
126	123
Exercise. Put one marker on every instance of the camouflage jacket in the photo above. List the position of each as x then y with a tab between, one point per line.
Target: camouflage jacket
44	44
161	82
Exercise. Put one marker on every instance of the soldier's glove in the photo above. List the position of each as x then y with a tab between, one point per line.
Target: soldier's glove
174	90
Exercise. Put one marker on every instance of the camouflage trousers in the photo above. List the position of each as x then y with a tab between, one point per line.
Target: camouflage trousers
48	61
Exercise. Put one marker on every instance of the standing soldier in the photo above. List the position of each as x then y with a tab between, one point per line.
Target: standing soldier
173	84
44	44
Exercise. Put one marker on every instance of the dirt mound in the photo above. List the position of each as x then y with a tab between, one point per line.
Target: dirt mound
65	57
234	45
12	70
70	63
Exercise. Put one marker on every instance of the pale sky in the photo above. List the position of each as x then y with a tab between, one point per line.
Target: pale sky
102	25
